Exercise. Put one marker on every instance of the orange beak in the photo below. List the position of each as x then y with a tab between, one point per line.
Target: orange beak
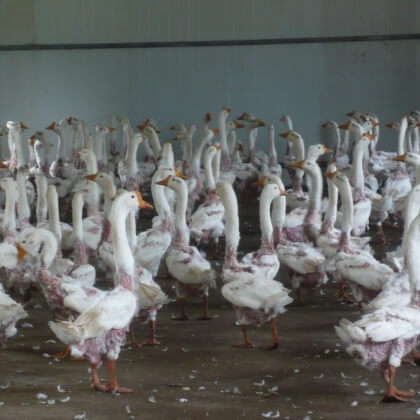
21	252
240	147
51	126
23	126
261	123
32	140
371	137
143	204
389	125
208	117
241	117
345	126
237	124
141	127
91	177
298	165
285	135
164	182
374	123
215	130
228	110
324	125
283	193
179	174
172	127
217	147
260	182
326	150
331	175
400	158
111	129
69	120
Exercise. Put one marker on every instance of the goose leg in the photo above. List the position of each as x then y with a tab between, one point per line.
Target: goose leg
64	354
275	340
113	384
133	343
206	316
247	344
393	394
183	316
153	341
96	383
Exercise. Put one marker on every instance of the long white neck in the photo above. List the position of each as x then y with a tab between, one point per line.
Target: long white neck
231	140
23	209
155	143
272	147
148	151
196	159
331	214
60	137
132	157
401	135
167	156
93	196
278	211
182	231
187	156
127	134
109	193
216	165
31	154
358	177
131	228
19	150
316	190
41	202
230	204
412	258
50	246
159	197
411	211
416	142
124	259
221	125
9	218
346	141
77	215
91	163
347	208
99	145
300	155
53	213
208	170
266	199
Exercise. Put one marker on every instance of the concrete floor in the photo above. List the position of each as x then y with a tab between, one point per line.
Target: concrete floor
195	374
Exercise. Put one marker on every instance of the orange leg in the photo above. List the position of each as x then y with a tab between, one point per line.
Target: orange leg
275	340
183	316
153	341
206	316
393	394
64	354
96	383
133	343
113	384
247	344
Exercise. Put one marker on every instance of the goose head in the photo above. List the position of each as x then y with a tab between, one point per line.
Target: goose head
233	125
330	124
16	126
272	191
394	125
104	180
292	136
306	165
175	183
317	150
8	184
270	179
408	157
179	128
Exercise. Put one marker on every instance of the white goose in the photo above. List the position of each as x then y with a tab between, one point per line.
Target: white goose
192	271
256	299
100	331
380	339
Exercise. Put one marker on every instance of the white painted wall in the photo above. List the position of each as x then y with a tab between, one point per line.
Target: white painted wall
312	83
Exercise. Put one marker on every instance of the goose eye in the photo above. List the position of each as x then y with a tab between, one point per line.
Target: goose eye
132	196
24	242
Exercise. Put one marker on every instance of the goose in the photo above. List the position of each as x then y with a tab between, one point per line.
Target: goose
193	273
152	245
380	339
17	158
99	332
100	146
10	313
364	274
207	221
340	156
57	166
274	168
256	299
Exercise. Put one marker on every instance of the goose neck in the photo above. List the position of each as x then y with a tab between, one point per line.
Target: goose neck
357	167
265	219
9	218
232	235
181	229
208	171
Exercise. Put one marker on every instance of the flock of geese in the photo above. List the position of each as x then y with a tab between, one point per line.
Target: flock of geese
69	220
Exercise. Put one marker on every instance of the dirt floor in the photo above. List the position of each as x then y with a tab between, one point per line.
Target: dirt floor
195	374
